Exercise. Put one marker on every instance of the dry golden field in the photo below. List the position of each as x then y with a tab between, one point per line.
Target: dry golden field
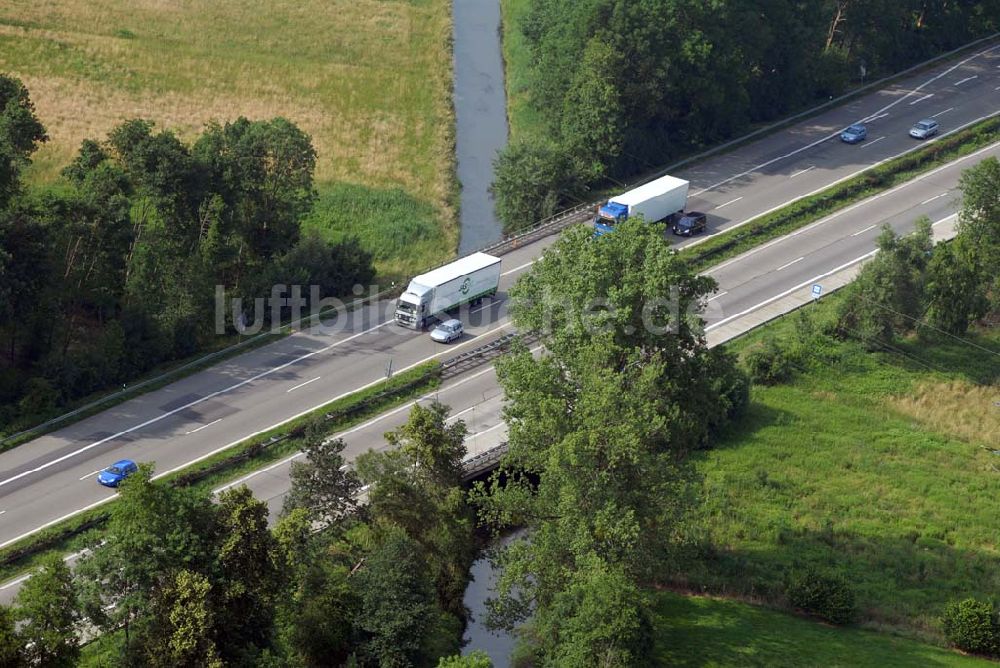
369	80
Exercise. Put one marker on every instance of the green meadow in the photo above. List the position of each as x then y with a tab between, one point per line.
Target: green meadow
884	467
700	631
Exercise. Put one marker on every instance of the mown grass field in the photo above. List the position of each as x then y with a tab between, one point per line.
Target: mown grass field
882	466
370	81
700	631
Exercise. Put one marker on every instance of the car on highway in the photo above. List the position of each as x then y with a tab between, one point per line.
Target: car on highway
690	223
447	331
854	133
117	472
924	129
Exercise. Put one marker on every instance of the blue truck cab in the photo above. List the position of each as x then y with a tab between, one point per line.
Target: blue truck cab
609	215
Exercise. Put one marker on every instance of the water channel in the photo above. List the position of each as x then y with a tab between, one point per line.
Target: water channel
480	116
481	130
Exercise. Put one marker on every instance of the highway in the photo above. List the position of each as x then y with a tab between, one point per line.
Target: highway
745	283
53	476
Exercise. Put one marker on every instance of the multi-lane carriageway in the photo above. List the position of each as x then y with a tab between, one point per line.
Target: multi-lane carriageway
53	476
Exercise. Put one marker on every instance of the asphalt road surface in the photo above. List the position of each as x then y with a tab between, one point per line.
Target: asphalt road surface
53	476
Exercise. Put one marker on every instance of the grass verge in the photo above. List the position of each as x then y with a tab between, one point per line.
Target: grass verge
702	631
524	120
73	534
848	468
871	182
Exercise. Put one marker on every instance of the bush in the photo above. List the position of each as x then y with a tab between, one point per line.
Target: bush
828	597
972	626
768	364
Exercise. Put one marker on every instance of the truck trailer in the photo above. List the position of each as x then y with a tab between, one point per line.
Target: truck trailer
655	201
463	281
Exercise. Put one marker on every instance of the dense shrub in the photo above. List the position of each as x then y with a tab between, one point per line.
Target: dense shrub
972	626
768	364
826	596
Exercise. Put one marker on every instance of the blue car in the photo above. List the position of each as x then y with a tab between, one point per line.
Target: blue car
114	474
854	134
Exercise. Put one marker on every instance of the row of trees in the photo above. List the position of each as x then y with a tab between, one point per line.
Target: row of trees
599	430
182	581
113	269
625	86
912	285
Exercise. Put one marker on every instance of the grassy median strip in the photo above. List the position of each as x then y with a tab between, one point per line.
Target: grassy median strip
73	534
871	182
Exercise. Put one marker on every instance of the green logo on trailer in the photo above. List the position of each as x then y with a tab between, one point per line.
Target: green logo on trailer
466	284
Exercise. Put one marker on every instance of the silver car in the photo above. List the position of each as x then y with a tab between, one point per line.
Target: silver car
924	129
447	331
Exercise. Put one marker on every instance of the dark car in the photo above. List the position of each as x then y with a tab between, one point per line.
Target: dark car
690	223
854	134
114	474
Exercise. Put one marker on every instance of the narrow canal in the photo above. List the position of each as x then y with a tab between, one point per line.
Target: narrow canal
480	116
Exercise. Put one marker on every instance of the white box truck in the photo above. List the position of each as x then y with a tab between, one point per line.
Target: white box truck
465	280
654	200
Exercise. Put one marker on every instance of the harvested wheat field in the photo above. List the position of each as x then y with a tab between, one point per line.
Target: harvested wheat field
369	80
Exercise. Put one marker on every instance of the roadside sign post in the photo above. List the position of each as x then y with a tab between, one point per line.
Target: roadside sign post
817	290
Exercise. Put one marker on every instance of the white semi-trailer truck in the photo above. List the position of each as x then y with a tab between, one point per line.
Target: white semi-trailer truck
465	280
655	201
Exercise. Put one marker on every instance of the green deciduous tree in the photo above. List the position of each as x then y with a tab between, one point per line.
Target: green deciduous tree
11	648
47	609
417	487
475	659
397	603
435	447
531	180
625	389
888	295
20	134
263	171
251	575
154	530
183	627
979	225
321	485
955	292
324	610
